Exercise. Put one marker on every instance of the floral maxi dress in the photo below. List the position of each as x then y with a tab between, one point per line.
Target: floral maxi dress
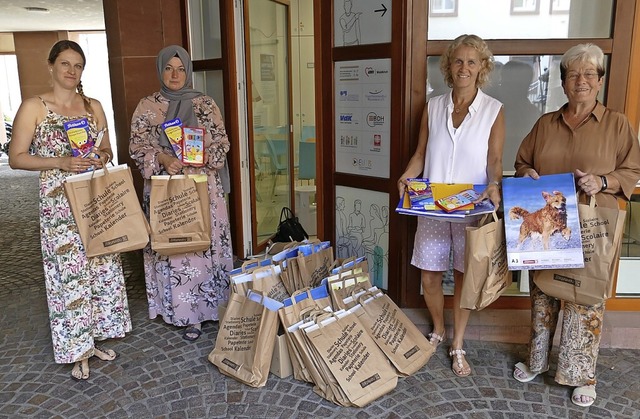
86	296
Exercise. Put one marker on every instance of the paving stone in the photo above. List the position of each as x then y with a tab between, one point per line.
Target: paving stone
158	374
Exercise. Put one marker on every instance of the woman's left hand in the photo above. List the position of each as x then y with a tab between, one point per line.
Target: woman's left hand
588	183
96	161
492	192
96	158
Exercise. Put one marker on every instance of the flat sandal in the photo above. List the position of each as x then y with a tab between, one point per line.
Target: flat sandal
436	339
457	356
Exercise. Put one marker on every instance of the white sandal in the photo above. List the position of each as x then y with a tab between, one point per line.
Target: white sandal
435	339
588	391
529	375
457	362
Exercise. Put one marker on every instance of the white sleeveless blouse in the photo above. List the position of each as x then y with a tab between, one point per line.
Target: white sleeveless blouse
459	155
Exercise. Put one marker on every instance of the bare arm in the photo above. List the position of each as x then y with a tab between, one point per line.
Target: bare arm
416	164
494	160
104	149
29	115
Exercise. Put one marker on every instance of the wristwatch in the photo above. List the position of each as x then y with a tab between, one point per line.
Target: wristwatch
604	183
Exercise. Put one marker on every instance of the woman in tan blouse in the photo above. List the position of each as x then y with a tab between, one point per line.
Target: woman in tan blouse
599	146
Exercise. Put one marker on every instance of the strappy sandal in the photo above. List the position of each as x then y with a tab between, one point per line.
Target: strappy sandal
104	354
80	371
435	339
457	365
192	333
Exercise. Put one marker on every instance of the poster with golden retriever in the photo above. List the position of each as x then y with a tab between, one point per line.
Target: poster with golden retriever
542	227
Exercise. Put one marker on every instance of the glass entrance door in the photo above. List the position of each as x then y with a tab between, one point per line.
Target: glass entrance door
267	37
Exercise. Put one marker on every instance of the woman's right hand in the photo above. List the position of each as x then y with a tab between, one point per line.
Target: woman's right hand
402	186
76	164
171	164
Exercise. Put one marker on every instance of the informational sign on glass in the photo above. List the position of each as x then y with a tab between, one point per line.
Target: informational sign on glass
361	22
363	117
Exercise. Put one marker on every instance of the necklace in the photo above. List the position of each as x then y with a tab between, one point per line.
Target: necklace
458	110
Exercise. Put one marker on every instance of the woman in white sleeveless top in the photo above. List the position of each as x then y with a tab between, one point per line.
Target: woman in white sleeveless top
460	141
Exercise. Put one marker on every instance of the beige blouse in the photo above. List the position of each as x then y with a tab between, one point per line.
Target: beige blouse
604	145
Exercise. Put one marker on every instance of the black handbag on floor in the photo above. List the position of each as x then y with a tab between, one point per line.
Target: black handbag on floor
289	229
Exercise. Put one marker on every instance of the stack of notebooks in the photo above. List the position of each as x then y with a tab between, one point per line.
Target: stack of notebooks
443	200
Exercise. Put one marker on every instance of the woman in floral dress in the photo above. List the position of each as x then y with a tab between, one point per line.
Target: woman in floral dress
184	289
86	296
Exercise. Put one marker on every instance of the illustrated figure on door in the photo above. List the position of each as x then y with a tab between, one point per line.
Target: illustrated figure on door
378	233
358	235
350	24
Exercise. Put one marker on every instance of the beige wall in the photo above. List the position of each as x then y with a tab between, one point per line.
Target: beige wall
6	43
32	50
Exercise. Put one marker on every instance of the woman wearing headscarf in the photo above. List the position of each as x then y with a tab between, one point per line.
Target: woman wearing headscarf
184	289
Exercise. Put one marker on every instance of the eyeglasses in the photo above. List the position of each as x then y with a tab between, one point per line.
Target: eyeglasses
588	75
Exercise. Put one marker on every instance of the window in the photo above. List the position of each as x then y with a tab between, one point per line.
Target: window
527	46
10	96
472	16
443	8
204	29
525	7
559	7
211	83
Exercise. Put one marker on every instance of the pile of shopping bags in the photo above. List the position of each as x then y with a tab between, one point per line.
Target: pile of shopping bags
343	335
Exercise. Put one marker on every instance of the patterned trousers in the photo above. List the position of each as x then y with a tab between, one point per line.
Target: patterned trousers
579	339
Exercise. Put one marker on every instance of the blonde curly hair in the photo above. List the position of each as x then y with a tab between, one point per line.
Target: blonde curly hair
475	42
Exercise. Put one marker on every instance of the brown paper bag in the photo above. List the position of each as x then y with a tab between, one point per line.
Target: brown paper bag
245	341
265	280
288	318
601	230
344	285
350	263
358	365
242	274
331	388
313	268
400	340
486	274
179	215
304	304
107	211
